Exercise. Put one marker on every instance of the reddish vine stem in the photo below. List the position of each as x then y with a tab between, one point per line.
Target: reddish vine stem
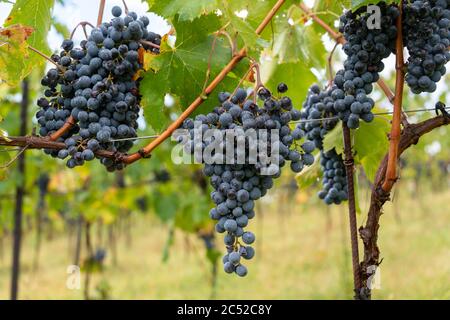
410	136
83	24
210	57
193	106
125	6
339	38
70	122
242	80
349	168
391	174
101	9
199	100
149	43
44	56
269	16
34	142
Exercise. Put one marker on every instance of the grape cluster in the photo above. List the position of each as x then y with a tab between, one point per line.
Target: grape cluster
238	184
334	179
318	118
317	108
426	25
96	84
365	49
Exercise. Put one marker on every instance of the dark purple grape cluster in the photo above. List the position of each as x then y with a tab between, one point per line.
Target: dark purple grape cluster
239	182
318	117
96	84
318	105
426	27
334	181
365	49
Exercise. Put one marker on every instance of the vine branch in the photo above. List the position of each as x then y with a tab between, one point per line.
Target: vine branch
410	135
349	168
70	122
101	9
34	142
391	174
208	90
269	17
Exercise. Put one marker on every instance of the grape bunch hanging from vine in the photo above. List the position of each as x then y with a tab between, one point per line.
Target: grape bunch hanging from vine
93	97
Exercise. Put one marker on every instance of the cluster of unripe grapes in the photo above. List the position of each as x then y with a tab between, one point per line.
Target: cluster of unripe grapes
96	84
237	185
426	25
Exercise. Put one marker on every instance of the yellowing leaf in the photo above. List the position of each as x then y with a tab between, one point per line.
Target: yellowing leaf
35	14
13	45
186	10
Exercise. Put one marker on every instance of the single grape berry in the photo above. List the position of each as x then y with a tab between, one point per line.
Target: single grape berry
282	88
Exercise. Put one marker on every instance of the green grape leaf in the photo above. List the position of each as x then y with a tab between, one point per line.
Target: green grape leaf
295	42
4	159
61	28
334	139
310	175
191	217
297	76
35	14
355	4
165	206
242	17
181	70
240	27
186	10
329	11
371	145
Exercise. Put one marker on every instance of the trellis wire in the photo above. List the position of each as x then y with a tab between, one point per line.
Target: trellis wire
299	121
304	121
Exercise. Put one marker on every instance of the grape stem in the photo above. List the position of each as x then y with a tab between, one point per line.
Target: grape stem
125	6
149	43
45	57
69	124
394	137
211	53
83	24
232	42
10	162
330	66
241	81
101	9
